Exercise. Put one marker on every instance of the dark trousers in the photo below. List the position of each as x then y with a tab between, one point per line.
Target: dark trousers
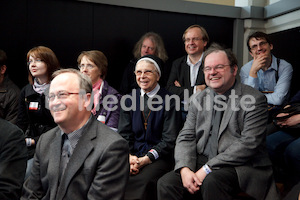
220	184
294	194
143	185
284	151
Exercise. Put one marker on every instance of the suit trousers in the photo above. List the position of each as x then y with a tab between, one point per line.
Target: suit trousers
219	184
143	185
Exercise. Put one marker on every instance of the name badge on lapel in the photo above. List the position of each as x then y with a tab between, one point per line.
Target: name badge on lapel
33	105
101	118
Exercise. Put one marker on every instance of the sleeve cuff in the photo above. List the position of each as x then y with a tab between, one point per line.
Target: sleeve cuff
207	169
153	155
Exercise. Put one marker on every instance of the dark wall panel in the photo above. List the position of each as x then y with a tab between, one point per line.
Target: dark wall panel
116	30
64	26
69	27
286	46
220	30
170	26
12	38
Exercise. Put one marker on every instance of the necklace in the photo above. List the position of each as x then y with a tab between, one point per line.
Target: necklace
146	119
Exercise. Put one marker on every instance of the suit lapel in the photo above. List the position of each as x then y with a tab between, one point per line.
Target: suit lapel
81	152
207	111
186	73
209	114
53	168
200	76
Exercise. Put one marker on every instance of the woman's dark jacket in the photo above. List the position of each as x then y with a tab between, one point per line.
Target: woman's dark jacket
33	120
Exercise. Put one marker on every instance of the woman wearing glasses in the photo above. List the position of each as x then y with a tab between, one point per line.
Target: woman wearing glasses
34	118
106	101
150	127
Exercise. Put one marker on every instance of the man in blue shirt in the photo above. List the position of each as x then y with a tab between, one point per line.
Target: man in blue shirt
265	72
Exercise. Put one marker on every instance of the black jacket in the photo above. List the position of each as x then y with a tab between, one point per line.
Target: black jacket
33	118
13	159
181	72
9	95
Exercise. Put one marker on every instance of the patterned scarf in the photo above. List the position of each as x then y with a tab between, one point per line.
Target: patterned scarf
40	88
96	91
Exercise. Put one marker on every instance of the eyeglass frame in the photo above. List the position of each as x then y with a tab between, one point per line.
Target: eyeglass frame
217	68
34	61
262	43
88	66
192	39
51	97
146	72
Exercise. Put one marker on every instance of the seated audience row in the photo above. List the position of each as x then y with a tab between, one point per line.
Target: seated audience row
214	149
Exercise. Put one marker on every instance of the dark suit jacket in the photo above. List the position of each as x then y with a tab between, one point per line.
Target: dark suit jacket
13	159
241	140
97	169
181	72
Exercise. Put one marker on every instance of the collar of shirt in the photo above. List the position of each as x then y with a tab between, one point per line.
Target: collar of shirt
152	93
194	69
189	63
273	64
75	135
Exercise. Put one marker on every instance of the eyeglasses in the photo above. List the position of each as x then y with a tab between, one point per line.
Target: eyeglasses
261	44
60	95
192	39
217	68
34	61
88	66
146	72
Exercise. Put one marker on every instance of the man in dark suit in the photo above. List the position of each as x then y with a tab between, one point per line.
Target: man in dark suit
186	72
221	149
81	158
13	159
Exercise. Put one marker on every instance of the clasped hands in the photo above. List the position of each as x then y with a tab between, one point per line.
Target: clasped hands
191	180
289	121
136	163
198	87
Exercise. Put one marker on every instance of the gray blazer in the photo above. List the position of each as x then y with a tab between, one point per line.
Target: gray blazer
241	140
97	169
